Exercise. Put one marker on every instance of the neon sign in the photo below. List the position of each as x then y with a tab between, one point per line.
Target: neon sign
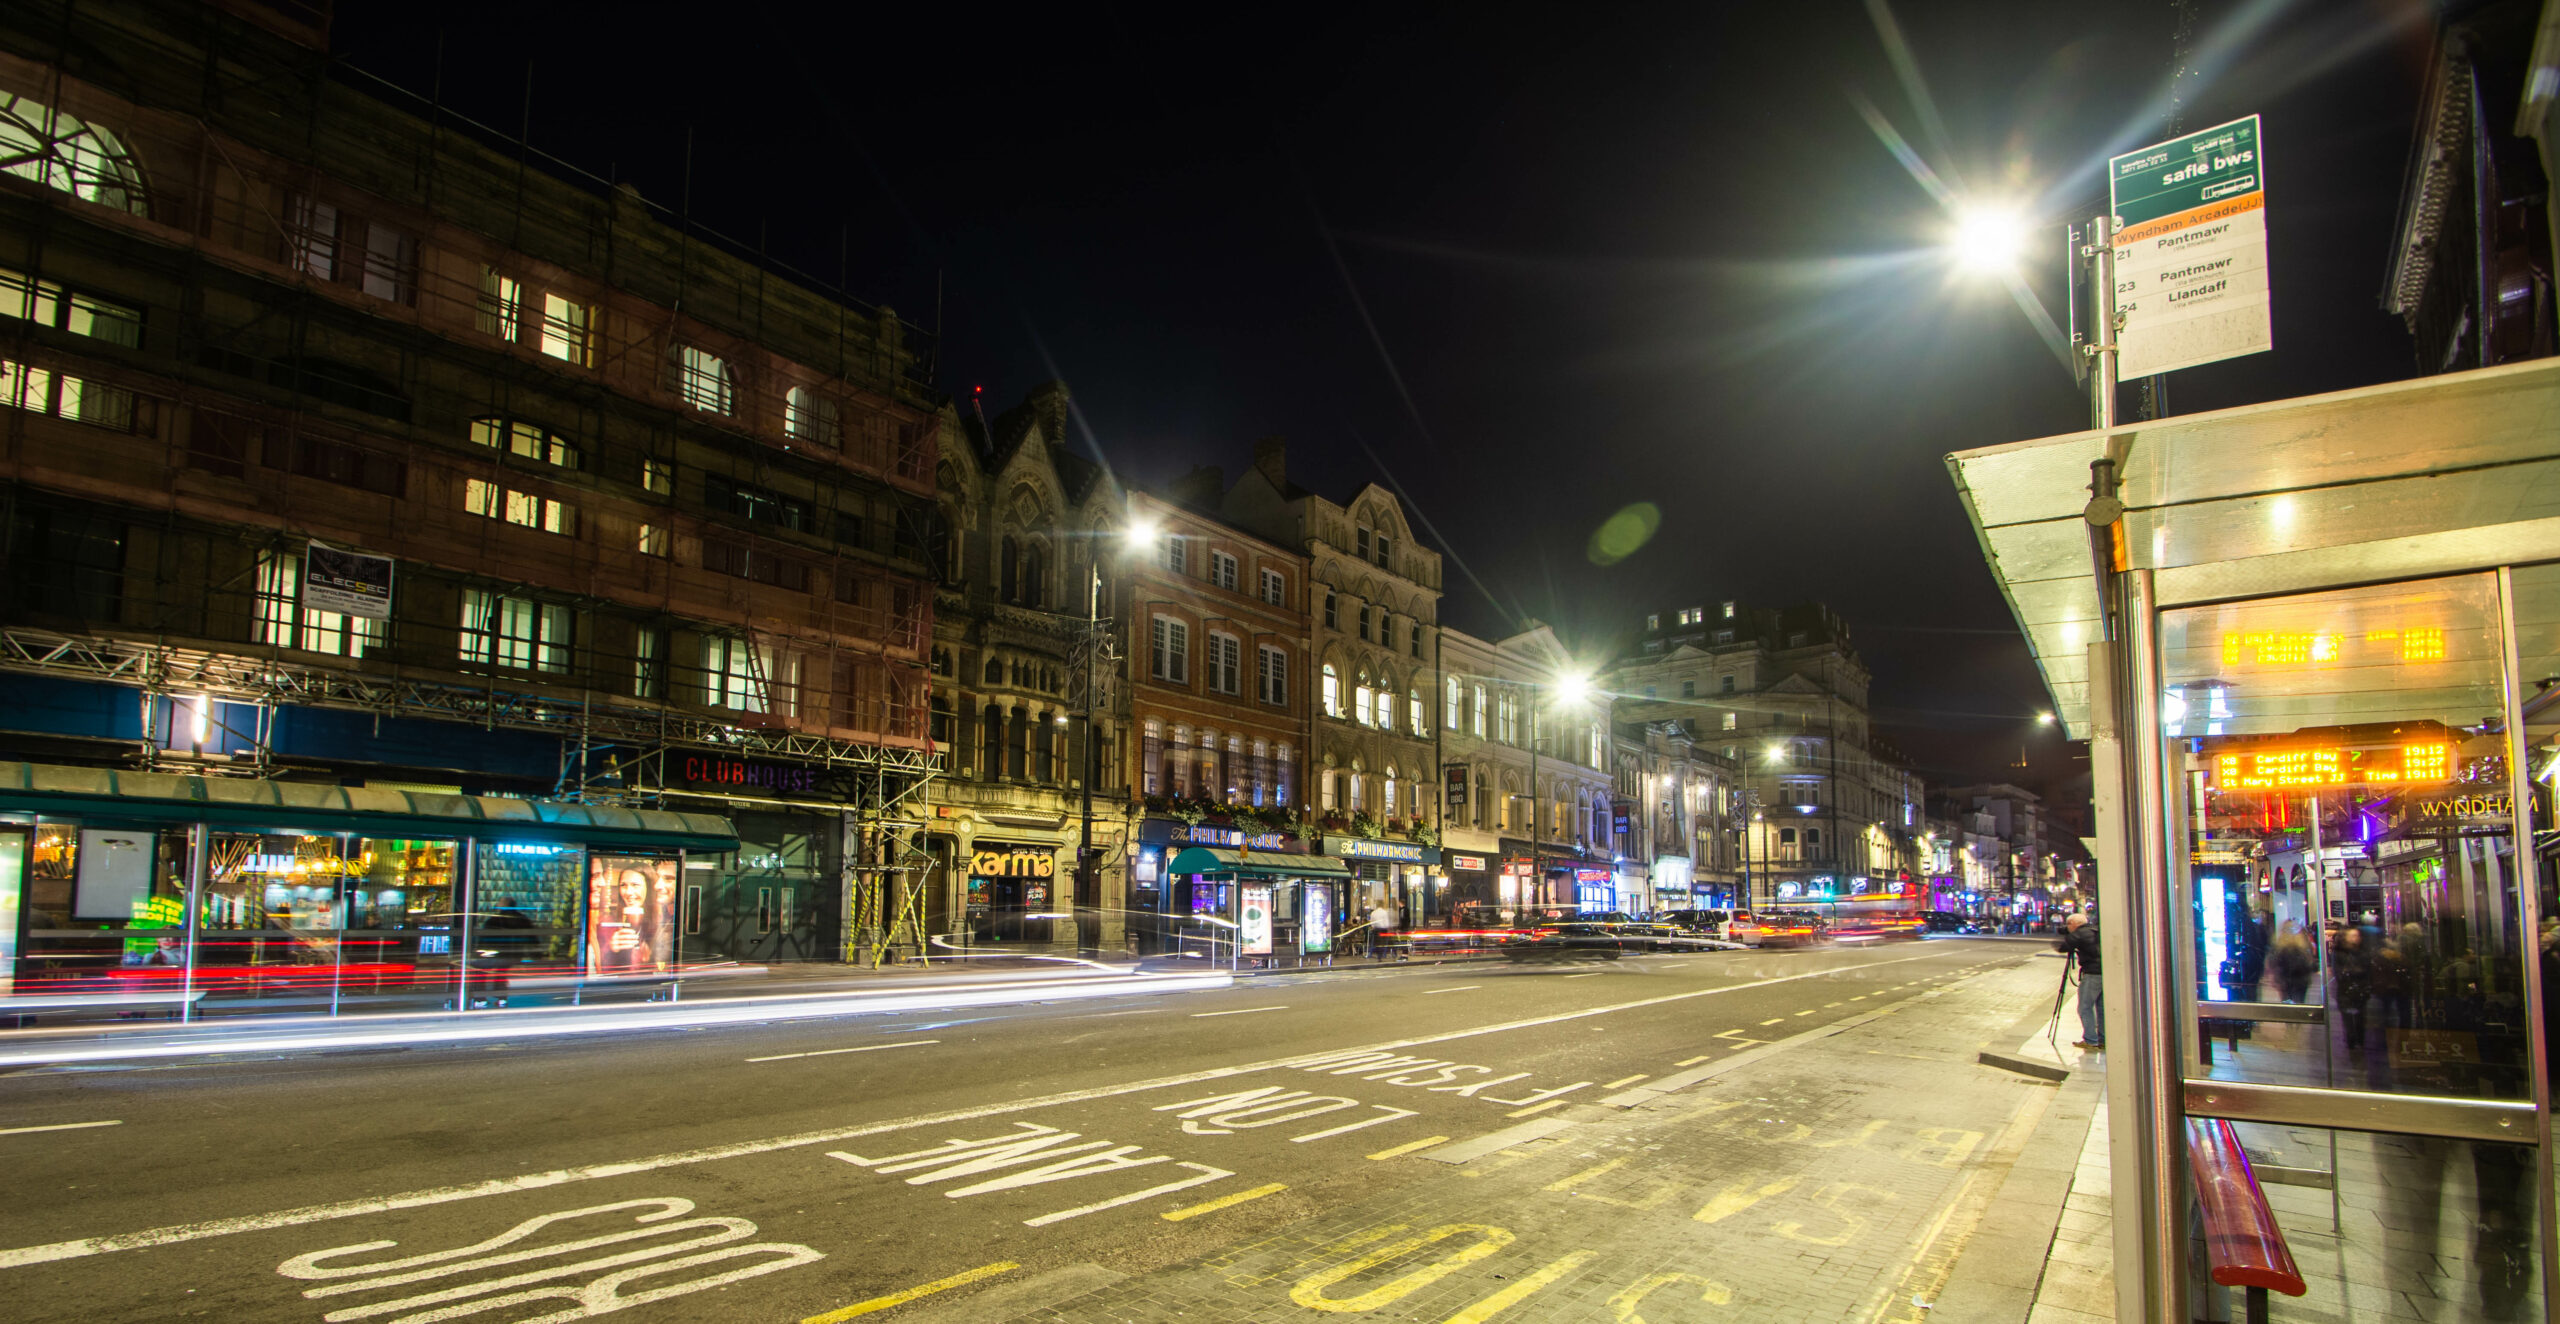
2294	648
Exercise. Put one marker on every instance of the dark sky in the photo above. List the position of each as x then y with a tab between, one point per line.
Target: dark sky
1531	263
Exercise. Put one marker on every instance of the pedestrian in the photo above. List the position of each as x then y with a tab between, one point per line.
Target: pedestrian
2079	946
1381	918
2292	963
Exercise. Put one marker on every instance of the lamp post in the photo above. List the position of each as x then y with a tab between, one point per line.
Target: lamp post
1572	687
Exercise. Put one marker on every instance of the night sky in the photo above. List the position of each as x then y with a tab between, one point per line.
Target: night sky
1530	265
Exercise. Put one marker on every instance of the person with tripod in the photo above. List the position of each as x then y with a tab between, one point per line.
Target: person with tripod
2079	946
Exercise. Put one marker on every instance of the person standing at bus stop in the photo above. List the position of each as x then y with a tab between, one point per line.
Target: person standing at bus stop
2079	944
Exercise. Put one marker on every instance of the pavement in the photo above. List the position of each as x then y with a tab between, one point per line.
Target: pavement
1740	1135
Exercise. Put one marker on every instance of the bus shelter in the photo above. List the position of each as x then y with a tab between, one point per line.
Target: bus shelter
1271	906
2315	645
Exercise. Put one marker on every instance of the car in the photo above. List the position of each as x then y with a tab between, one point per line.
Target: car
1792	928
1724	925
1566	942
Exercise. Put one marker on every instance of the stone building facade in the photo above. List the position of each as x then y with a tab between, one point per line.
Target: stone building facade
1537	769
1025	528
1781	695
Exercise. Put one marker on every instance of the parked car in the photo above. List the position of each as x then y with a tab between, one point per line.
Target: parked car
1566	942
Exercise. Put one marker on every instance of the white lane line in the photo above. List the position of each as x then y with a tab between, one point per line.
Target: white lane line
1433	993
830	1052
1151	1011
58	1126
1240	1011
1587	974
82	1247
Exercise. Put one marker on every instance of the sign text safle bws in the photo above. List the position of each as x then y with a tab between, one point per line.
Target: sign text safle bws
2191	250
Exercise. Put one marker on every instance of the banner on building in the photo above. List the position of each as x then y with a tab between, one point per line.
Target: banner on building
350	583
1255	925
1453	780
631	915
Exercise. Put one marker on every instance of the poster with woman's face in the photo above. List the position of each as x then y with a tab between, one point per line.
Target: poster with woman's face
631	915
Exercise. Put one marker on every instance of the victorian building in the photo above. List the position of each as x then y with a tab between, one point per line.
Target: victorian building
1781	696
1372	604
1023	706
1527	767
1678	819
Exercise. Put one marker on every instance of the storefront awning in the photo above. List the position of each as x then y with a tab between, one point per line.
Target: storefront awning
248	804
2404	480
1213	860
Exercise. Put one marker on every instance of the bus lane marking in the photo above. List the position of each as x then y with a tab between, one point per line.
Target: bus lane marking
1310	1290
659	1259
1068	1157
900	1298
170	1234
1517	1292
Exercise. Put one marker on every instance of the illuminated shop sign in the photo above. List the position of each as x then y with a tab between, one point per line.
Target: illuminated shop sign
2489	806
1473	863
1017	862
748	774
536	848
1207	834
1591	875
1364	848
2289	767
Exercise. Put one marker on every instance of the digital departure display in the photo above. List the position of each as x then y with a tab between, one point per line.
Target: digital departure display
2295	648
2416	755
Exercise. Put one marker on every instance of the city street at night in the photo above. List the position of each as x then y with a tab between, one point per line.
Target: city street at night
1727	1135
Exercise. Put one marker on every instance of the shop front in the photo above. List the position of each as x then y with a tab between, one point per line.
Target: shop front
2319	664
1013	893
1254	908
779	896
1175	912
1399	879
226	896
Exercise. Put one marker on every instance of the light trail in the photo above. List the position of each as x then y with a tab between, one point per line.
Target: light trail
525	1023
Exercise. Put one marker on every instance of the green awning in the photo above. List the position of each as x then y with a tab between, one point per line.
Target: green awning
1255	864
249	804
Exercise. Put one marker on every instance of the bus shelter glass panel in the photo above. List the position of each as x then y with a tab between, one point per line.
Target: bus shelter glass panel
103	910
2328	756
2537	629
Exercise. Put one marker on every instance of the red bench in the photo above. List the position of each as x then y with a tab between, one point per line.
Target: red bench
2241	1240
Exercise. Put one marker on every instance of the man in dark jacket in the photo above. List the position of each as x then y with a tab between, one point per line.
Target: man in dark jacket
2079	943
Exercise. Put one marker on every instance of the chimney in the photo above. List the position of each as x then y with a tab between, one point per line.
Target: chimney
1271	457
1202	488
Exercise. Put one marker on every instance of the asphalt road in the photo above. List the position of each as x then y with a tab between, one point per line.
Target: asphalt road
1797	1135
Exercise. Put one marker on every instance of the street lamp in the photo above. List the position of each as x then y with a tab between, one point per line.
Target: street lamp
1987	239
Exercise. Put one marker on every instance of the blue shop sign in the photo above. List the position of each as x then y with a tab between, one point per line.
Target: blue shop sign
1367	848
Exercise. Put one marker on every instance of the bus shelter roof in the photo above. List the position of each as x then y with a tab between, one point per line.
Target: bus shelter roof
1252	864
2406	479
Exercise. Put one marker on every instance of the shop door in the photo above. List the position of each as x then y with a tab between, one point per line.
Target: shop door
2351	918
769	900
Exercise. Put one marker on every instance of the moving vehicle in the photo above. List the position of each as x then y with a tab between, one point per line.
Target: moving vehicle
1725	925
1566	942
1791	928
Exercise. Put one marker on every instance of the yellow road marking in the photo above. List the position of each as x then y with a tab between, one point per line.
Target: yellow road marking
1515	1293
1624	1081
1213	1206
879	1303
1806	1012
1739	1196
1773	1020
1831	1004
1410	1146
1536	1108
1568	1183
1692	1061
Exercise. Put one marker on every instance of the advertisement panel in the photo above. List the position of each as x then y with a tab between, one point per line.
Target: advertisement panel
351	583
1316	934
631	915
1256	919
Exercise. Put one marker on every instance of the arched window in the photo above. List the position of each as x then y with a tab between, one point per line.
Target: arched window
1414	713
1332	691
61	151
1364	702
1035	576
995	671
1388	801
1008	569
809	417
1177	763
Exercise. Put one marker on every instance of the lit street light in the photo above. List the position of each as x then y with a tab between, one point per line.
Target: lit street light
1988	239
